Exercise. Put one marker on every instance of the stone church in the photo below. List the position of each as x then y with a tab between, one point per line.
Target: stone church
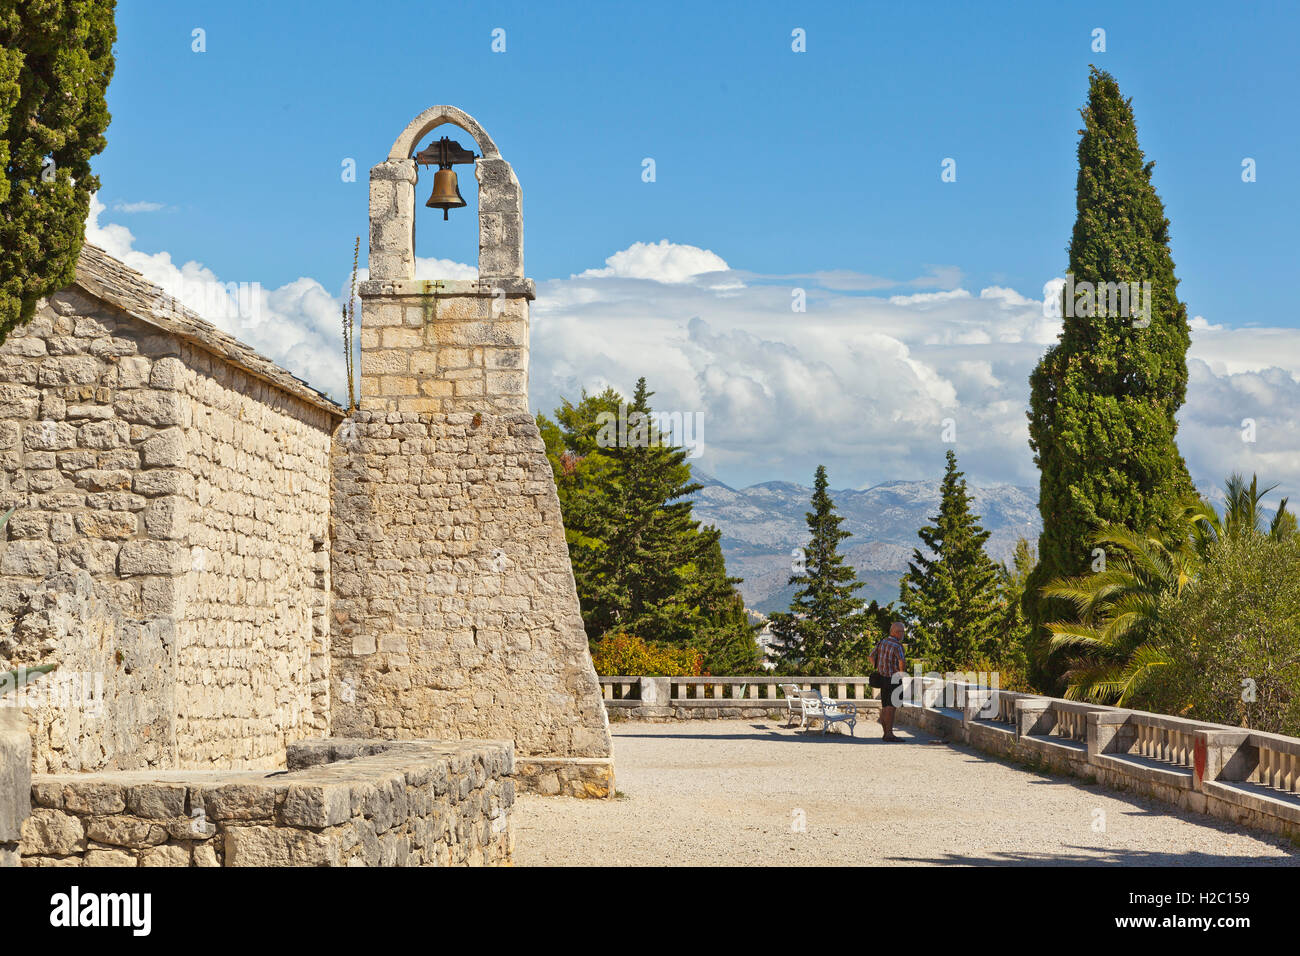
224	563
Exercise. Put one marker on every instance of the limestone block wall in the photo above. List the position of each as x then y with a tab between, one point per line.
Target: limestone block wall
455	612
251	659
15	782
343	803
169	549
445	346
86	568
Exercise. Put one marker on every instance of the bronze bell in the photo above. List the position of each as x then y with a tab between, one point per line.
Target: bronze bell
446	193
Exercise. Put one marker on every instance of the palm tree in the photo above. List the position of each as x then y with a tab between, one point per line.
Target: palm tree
1118	607
1117	610
1242	515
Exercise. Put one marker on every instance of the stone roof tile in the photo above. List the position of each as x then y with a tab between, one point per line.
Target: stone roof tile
117	283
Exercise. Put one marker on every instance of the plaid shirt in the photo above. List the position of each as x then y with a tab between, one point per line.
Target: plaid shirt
888	656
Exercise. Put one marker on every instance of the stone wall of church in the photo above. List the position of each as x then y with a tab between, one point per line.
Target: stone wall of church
251	655
169	547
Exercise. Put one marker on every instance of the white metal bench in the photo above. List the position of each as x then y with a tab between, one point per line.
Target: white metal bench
813	706
793	705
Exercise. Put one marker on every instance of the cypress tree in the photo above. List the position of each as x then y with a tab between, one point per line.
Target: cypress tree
950	594
824	627
1103	399
56	58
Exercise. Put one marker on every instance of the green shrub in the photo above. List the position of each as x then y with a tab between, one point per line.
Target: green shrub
619	655
1235	629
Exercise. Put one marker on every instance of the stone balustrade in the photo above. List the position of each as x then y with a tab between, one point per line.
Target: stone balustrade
1247	777
685	698
1234	773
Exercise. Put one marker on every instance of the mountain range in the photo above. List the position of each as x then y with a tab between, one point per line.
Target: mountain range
762	524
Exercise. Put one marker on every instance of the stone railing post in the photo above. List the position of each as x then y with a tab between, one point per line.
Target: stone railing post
978	702
1105	732
15	782
656	697
1221	755
1034	718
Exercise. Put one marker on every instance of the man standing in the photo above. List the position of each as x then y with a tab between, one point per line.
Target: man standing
888	660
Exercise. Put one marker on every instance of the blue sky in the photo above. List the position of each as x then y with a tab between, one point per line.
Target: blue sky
778	163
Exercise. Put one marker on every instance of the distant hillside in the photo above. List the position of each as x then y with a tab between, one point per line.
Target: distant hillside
762	524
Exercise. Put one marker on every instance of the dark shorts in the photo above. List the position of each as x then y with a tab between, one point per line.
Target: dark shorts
891	693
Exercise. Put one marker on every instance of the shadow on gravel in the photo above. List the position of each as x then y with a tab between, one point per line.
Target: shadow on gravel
1143	806
1091	856
807	737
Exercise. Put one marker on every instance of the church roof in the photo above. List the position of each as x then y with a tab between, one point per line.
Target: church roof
115	282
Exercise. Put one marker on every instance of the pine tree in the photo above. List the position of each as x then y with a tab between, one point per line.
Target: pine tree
642	563
728	639
824	629
56	58
949	594
1103	399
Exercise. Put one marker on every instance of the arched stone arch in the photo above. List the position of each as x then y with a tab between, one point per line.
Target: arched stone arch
431	119
392	203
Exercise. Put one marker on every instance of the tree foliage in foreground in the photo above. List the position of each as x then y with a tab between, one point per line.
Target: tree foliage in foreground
643	565
825	630
1103	399
950	595
56	59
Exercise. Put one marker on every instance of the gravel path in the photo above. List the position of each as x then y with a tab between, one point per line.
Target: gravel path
726	792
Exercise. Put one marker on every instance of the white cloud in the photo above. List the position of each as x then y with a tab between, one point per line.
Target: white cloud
662	261
861	383
142	206
295	325
927	298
